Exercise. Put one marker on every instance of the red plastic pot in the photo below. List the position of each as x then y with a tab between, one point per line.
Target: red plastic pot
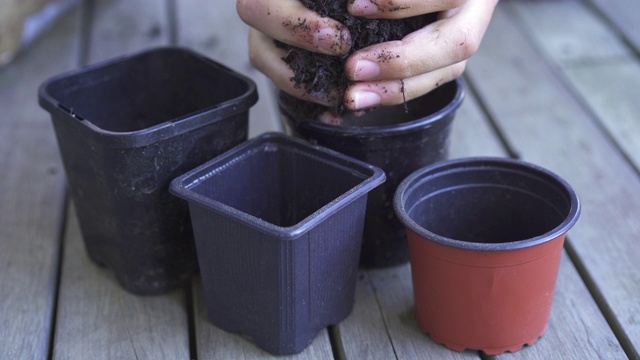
485	243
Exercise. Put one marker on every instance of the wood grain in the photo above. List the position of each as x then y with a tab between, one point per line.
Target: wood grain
97	319
623	16
213	343
122	27
590	39
32	194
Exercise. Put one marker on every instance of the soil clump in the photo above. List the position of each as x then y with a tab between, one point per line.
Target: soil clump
324	74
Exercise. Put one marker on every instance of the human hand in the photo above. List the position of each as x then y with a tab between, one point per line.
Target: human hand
387	73
422	60
290	22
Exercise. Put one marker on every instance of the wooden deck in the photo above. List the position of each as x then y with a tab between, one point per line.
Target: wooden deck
555	83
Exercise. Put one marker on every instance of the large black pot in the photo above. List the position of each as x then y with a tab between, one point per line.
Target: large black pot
393	139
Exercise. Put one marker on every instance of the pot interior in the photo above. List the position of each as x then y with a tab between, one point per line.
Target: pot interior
487	214
488	204
146	90
278	183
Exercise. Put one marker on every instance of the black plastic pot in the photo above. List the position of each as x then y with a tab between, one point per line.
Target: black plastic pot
278	226
125	129
396	141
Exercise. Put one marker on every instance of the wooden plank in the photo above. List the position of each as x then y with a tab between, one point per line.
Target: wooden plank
214	29
610	90
471	133
624	15
31	194
363	335
214	343
542	120
604	71
589	39
96	318
394	292
120	27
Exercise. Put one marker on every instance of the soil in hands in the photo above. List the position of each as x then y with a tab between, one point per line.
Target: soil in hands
324	74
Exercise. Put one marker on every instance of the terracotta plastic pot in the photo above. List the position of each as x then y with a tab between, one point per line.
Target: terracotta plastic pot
485	241
278	227
128	126
394	140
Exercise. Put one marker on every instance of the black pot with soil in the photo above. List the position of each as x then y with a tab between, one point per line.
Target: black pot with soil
399	139
399	142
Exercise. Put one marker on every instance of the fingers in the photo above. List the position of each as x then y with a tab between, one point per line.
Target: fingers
364	95
440	44
291	22
267	58
425	59
399	9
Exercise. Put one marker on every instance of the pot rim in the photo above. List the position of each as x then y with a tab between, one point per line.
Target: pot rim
497	163
385	130
369	175
199	118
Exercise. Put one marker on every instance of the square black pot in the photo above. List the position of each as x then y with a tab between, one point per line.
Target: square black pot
127	127
278	226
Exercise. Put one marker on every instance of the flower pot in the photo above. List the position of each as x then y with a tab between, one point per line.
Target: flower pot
396	141
278	227
125	129
485	241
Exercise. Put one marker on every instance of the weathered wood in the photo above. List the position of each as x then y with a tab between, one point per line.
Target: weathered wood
602	69
590	39
121	27
96	318
622	14
611	91
213	343
363	335
394	292
214	29
545	123
471	133
32	194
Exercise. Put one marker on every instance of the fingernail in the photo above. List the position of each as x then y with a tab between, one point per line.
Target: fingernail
365	99
363	7
366	70
333	41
